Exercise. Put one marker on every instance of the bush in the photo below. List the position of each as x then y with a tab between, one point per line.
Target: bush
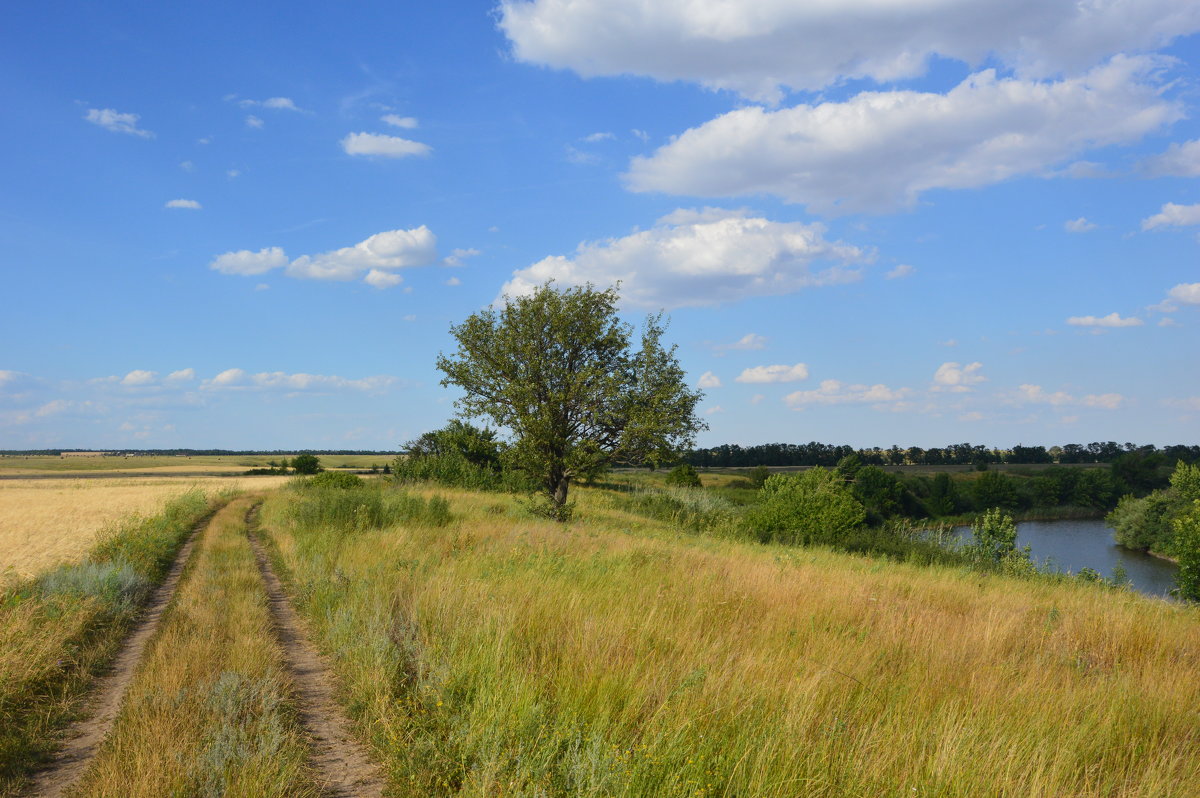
995	538
334	479
1187	549
684	476
814	506
306	464
758	475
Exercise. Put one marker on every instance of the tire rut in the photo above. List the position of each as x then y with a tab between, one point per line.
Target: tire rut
85	737
343	766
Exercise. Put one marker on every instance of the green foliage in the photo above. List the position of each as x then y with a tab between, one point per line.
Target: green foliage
334	479
357	509
995	538
881	494
943	496
1185	481
848	467
1187	550
306	464
814	506
1145	523
478	446
995	489
693	510
684	476
556	369
1094	488
758	476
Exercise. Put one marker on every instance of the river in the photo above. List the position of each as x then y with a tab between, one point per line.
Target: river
1074	545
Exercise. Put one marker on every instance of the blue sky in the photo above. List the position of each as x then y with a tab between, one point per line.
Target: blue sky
870	223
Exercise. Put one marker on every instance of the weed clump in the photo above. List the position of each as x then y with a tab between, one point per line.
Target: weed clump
351	509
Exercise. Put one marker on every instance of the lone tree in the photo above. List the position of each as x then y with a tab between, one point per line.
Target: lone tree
557	370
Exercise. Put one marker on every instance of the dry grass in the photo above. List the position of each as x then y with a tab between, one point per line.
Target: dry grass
209	711
41	464
44	522
616	657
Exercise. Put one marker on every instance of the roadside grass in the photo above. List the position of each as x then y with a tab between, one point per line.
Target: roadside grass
209	710
621	656
58	630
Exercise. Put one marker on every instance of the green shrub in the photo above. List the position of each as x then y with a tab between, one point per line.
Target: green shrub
684	476
334	479
693	510
367	507
995	538
1187	549
814	506
758	475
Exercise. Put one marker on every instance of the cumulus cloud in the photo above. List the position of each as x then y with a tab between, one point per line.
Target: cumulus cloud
254	122
748	342
1181	159
239	379
117	122
274	103
1187	293
383	146
712	411
879	151
1111	320
1035	394
709	380
458	257
833	392
406	122
1080	225
139	377
957	379
779	373
183	375
903	270
757	47
373	259
184	203
1172	215
701	258
246	262
594	138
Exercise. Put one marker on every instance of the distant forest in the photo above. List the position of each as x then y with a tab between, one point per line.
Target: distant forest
825	454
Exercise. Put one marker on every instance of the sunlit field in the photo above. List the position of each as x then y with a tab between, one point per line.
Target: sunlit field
233	464
44	522
617	656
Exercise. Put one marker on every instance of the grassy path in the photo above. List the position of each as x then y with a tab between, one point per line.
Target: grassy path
84	739
342	764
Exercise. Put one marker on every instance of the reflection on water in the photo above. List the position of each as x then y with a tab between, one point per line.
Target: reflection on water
1075	545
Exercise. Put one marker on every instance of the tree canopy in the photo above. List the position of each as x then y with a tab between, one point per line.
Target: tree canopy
558	371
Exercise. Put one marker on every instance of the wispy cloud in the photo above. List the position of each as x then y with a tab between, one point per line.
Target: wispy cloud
117	122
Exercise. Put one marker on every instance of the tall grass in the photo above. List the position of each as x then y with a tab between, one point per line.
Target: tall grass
612	657
60	629
208	713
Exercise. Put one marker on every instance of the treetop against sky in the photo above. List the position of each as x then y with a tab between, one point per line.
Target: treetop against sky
253	227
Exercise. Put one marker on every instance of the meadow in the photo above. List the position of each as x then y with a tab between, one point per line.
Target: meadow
645	648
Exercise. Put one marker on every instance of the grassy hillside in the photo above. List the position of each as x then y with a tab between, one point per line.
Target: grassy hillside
503	655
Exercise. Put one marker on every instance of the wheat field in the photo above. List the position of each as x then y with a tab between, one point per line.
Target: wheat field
44	522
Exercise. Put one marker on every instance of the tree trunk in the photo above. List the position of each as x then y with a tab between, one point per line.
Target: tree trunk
559	494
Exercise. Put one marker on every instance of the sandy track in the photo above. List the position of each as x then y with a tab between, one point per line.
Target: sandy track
85	737
342	764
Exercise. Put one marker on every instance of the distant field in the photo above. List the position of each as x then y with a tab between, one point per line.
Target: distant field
45	522
21	466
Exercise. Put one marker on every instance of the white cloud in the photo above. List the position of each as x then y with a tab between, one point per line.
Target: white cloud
373	259
757	398
406	122
748	342
232	173
117	122
1080	225
1035	394
239	379
454	281
187	166
903	270
974	415
246	262
139	377
184	203
1187	293
183	375
458	257
755	47
274	103
593	138
957	379
394	249
879	151
1186	403
577	156
1182	159
640	134
778	373
383	146
8	377
708	380
701	258
712	411
381	279
1167	321
1172	215
1111	320
833	392
253	121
